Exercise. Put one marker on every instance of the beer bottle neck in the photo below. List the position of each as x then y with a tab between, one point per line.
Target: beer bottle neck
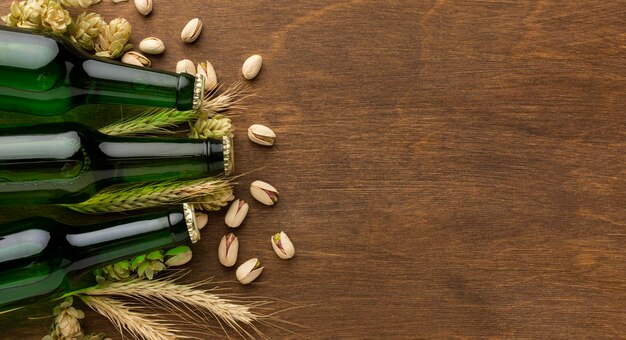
107	82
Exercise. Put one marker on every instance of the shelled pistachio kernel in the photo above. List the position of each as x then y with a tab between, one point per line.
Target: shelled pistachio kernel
283	247
264	193
249	271
252	66
191	31
261	135
152	45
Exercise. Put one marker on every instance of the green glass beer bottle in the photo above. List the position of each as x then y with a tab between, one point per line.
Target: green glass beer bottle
65	163
42	259
47	75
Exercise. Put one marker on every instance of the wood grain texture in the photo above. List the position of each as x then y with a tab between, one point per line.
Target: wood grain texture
446	168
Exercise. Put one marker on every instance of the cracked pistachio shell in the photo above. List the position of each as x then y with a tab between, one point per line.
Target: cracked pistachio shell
283	247
191	31
252	66
206	69
249	271
264	193
228	250
261	135
136	58
152	45
178	256
186	66
236	213
144	6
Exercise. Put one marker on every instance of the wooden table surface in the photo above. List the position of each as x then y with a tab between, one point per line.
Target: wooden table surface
446	168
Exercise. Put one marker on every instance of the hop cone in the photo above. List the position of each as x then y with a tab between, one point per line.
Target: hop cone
113	39
217	127
85	30
148	265
25	14
66	324
54	18
113	272
215	199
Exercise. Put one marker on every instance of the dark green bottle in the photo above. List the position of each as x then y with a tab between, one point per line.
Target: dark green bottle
67	163
42	259
47	75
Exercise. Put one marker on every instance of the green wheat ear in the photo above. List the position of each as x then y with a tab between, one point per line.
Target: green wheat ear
155	121
209	192
163	121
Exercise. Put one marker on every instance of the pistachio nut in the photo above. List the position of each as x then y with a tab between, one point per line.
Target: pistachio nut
144	6
136	58
249	271
236	213
152	45
252	66
264	193
206	69
261	134
186	66
283	247
118	1
178	256
228	250
202	220
191	31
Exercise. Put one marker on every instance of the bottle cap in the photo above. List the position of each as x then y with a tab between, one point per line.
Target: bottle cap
190	218
229	156
198	92
220	156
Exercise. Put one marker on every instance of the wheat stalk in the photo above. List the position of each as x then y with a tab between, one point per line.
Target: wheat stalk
189	294
124	198
215	104
150	121
161	121
185	299
138	324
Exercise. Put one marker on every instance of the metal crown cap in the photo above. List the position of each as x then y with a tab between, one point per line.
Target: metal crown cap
198	92
190	219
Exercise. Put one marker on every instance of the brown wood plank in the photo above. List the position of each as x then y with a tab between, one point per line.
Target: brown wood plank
446	168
